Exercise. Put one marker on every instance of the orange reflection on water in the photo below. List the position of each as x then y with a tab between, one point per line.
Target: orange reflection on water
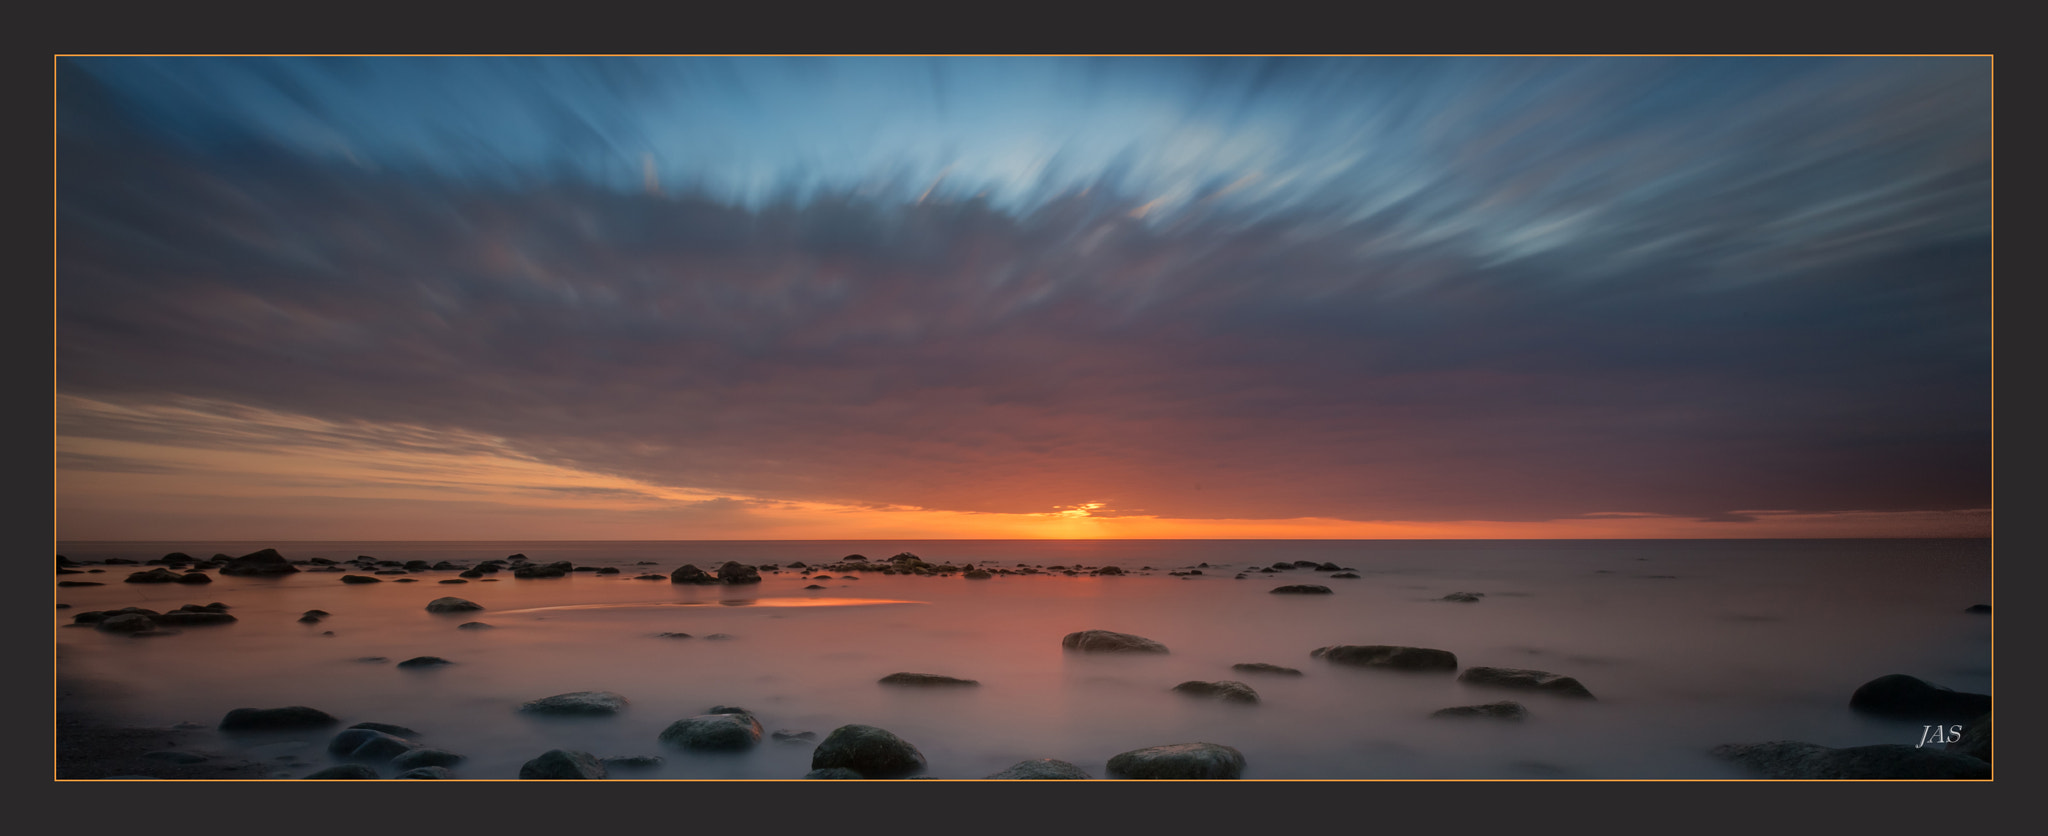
730	602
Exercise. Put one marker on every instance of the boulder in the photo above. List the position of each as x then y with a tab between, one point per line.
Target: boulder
1388	656
1104	641
1799	760
351	771
837	772
153	576
561	765
1301	589
872	752
265	562
360	579
194	578
1527	680
736	572
977	575
578	702
1504	710
476	625
422	756
1976	740
1910	698
931	679
452	605
689	573
424	662
714	732
1041	769
1261	667
428	773
1179	761
1226	690
368	745
289	718
1106	570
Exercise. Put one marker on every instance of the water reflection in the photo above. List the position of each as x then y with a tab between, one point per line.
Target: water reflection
728	602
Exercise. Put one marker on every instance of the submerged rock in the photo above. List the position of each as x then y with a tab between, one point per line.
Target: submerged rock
360	579
476	625
424	662
291	717
190	617
561	765
1179	761
425	757
1388	656
1041	769
368	745
714	732
1504	710
265	562
1345	575
1800	760
870	751
924	679
1226	690
577	702
1527	680
1464	597
1105	641
129	623
1912	698
1261	667
452	605
1302	589
153	576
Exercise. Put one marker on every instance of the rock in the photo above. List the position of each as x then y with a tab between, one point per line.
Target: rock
424	662
837	772
1505	710
814	586
452	605
719	637
872	752
977	575
367	745
1226	690
153	576
633	762
689	573
1106	570
1910	698
736	572
353	771
194	578
1388	656
672	635
924	679
1463	597
1104	641
265	562
426	773
1527	680
475	625
360	579
578	702
1800	760
714	732
1261	667
1302	589
561	765
455	580
130	623
422	756
197	617
1179	761
387	728
291	717
1041	769
1979	608
1345	575
1976	740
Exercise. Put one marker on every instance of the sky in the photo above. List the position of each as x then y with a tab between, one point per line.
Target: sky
908	298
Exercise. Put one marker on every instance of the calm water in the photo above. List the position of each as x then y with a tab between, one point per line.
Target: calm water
1686	644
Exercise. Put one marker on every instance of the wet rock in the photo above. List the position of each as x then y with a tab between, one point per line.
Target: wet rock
1302	589
578	702
476	625
1388	656
422	756
1262	667
870	751
1105	641
1976	740
1179	761
427	773
360	579
152	576
452	605
1505	710
562	765
1041	769
736	572
837	772
288	718
1345	575
924	679
1226	690
1527	680
347	771
814	586
1911	698
1463	597
368	745
1799	760
424	662
455	580
265	562
714	732
689	573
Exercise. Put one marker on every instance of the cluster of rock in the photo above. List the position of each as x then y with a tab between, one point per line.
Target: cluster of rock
1893	696
138	621
731	572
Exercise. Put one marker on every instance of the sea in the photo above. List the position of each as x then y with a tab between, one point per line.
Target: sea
1684	644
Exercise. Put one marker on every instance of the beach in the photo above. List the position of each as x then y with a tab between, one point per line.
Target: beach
1681	647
